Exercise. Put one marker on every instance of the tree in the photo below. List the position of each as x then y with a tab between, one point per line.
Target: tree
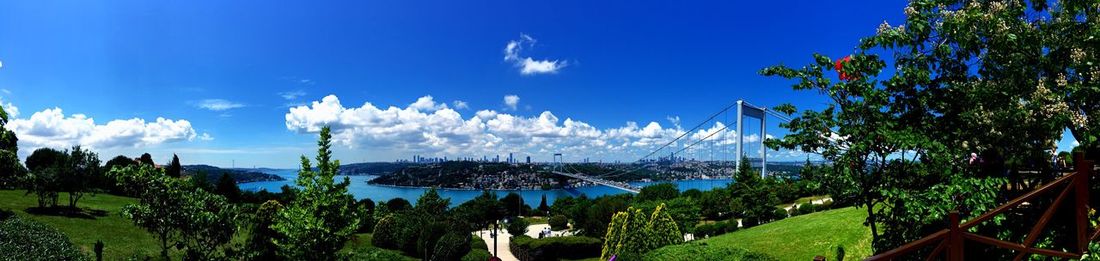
634	232
146	159
10	167
543	208
174	169
82	166
513	204
661	191
996	79
46	168
752	198
431	204
321	218
398	204
261	244
517	226
193	220
227	187
480	211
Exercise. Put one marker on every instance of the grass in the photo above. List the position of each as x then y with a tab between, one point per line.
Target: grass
536	220
796	238
803	200
100	220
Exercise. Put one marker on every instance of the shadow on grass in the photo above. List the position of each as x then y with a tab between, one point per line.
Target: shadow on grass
65	211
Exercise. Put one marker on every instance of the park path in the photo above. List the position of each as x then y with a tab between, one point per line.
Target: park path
504	252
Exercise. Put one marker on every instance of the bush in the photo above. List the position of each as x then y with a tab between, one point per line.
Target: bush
396	232
555	248
559	222
477	255
518	226
828	204
716	228
476	243
22	239
780	213
430	234
702	251
452	246
806	208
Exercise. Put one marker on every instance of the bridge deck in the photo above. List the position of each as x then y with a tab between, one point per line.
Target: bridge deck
613	184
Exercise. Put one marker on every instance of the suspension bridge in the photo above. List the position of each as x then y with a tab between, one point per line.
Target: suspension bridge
743	110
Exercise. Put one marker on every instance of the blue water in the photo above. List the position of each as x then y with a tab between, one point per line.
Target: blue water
360	189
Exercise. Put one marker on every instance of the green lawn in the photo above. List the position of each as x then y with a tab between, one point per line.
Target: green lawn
535	220
121	239
797	238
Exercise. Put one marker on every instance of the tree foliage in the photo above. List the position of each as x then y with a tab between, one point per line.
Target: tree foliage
322	216
632	231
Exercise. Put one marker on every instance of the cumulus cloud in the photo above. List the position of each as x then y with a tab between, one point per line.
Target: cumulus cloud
511	101
218	104
206	137
290	95
528	65
52	128
461	105
431	128
10	109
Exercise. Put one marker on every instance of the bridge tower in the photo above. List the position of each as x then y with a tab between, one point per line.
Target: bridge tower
745	109
558	162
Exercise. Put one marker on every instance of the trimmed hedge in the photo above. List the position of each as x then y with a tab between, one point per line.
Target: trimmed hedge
554	248
696	250
477	255
714	229
23	239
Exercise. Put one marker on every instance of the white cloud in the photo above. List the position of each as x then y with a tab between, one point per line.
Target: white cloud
528	65
206	137
218	104
51	128
290	95
461	105
1076	143
1	64
443	131
10	109
511	101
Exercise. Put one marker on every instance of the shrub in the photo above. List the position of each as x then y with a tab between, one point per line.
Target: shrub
429	236
391	232
633	231
806	208
452	246
559	222
477	255
477	243
702	251
555	248
828	204
780	213
518	226
706	230
22	239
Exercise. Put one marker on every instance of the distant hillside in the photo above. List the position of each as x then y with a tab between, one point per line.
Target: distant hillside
239	175
372	168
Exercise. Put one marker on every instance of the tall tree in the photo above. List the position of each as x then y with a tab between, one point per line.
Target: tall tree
513	204
228	188
174	168
46	168
146	159
82	166
10	167
322	217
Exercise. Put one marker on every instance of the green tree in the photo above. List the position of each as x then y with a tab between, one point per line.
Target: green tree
513	204
661	191
10	167
47	167
321	218
398	204
174	168
82	166
431	204
634	232
517	226
261	245
543	208
227	187
146	159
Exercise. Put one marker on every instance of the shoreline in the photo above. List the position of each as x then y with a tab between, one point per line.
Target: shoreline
495	189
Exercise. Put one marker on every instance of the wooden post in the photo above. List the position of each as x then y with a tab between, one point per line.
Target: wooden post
1081	201
954	237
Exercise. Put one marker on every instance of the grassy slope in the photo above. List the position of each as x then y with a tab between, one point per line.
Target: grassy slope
120	237
799	238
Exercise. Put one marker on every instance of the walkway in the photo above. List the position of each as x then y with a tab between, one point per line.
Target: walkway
503	242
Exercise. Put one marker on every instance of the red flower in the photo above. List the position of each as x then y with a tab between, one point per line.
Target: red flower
840	68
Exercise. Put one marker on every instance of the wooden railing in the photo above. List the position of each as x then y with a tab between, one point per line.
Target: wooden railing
950	242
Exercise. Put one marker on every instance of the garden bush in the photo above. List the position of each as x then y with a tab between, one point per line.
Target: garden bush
554	248
702	251
452	246
779	214
806	208
559	222
477	255
23	239
518	226
397	232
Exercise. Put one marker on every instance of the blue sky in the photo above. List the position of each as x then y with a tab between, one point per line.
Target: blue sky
227	77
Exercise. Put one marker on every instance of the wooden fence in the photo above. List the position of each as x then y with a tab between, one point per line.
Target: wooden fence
950	242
